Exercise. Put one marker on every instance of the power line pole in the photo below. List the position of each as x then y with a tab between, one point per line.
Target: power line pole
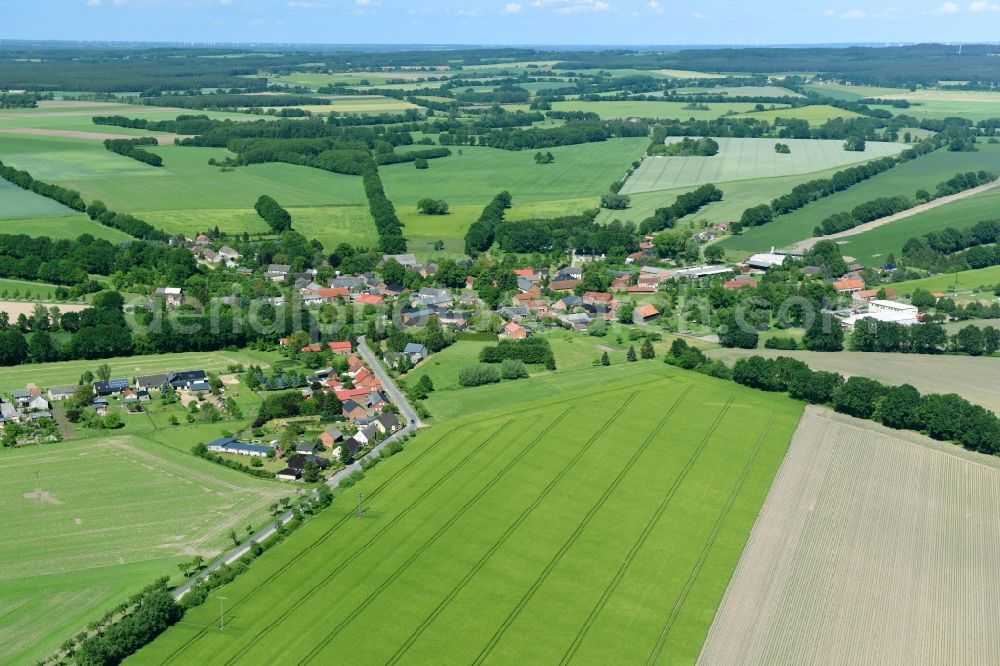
222	612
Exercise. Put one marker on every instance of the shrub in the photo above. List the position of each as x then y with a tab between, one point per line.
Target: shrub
478	374
513	369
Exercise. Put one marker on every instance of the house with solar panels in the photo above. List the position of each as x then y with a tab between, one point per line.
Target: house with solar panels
112	387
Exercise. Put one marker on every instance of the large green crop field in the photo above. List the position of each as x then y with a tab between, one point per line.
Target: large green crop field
871	247
114	515
531	536
744	159
645	109
905	179
16	203
953	282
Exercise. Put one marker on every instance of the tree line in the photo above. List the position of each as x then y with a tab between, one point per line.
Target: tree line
130	148
947	417
24	180
482	232
684	204
955	249
271	212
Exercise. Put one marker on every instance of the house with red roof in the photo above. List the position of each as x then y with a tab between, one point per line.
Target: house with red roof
515	331
644	314
849	286
341	348
371	299
739	284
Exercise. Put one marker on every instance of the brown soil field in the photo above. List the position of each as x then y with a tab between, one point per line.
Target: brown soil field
874	546
27	308
162	139
976	379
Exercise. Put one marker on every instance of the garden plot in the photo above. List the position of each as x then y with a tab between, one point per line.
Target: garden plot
743	159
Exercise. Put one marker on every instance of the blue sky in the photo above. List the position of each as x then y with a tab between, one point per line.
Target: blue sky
504	21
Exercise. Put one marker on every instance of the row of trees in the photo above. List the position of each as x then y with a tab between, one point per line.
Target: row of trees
955	249
924	338
482	232
685	204
531	350
271	212
387	224
130	148
24	180
686	147
412	155
946	417
124	222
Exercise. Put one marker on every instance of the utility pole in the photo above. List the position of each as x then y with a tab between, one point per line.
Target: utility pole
361	510
38	488
222	613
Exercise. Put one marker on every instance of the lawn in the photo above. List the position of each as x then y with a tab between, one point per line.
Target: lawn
69	372
905	179
474	175
115	514
871	247
744	159
598	526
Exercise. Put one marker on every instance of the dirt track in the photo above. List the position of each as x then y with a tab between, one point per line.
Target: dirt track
162	139
875	224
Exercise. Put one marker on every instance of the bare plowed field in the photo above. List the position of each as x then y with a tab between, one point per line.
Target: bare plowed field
874	546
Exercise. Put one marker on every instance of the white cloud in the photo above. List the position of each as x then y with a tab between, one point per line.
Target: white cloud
699	15
307	5
858	14
93	3
655	6
829	12
983	6
467	12
573	6
947	8
855	14
511	8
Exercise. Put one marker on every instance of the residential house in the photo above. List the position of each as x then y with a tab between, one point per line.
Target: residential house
288	474
352	410
110	387
371	299
597	298
367	434
38	403
59	393
184	380
416	351
199	387
330	436
299	460
567	303
236	447
428	297
173	296
849	286
21	397
211	256
202	239
349	282
644	314
737	283
405	260
151	382
100	406
514	312
812	271
352	445
457	319
514	331
277	272
229	255
387	423
559	283
8	412
869	295
342	348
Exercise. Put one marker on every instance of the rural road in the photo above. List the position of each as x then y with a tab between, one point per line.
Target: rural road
411	424
804	245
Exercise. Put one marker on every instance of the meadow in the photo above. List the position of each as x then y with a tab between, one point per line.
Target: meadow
114	514
69	372
962	281
69	226
539	536
903	524
815	114
17	203
904	179
745	159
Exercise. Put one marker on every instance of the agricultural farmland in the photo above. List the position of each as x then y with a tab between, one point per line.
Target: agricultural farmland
744	159
874	545
976	379
112	515
902	180
477	537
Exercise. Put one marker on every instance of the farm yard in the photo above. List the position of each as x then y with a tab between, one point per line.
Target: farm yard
874	545
744	159
112	516
477	536
976	379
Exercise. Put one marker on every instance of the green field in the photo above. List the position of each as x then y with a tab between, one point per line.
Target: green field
963	281
871	247
68	372
115	514
69	226
740	91
816	114
644	109
527	536
477	174
16	203
852	93
905	179
745	159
